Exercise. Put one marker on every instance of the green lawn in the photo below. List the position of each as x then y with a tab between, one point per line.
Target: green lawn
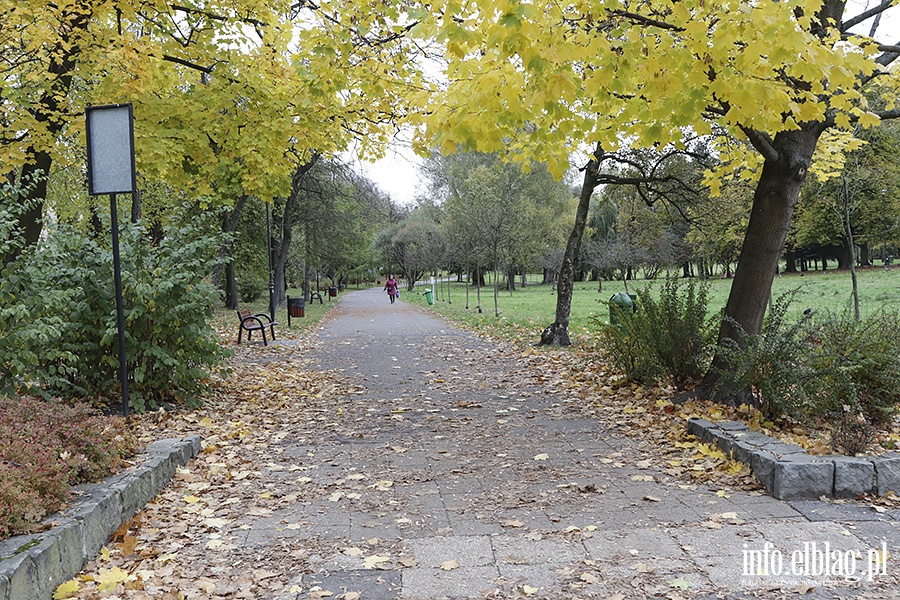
528	310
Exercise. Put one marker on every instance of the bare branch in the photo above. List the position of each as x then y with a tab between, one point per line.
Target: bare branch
862	17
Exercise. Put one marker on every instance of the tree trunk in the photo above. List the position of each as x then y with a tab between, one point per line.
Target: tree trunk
286	227
229	225
864	260
47	112
557	334
787	160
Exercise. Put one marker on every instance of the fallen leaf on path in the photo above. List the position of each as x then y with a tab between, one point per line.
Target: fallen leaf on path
449	565
680	583
66	590
374	561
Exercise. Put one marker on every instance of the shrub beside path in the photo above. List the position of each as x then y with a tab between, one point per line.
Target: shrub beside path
391	455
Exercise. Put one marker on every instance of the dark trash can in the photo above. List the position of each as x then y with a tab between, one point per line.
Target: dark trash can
621	307
332	291
296	308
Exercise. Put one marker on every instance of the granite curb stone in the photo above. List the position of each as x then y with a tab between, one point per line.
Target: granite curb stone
789	473
32	566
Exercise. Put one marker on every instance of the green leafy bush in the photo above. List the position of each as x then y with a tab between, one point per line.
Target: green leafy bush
821	366
667	336
46	447
857	366
773	365
61	322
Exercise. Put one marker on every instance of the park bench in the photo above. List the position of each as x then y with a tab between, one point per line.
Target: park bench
251	323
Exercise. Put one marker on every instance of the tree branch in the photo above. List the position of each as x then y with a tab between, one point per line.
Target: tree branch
641	19
762	142
862	17
188	64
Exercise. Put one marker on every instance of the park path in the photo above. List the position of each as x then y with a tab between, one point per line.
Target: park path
465	476
449	466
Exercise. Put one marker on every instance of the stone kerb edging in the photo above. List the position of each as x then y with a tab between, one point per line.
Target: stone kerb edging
789	473
32	566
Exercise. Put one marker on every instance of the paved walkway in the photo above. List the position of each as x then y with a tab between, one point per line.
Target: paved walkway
457	474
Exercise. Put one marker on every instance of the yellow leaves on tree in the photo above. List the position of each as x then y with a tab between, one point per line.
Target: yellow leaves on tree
589	72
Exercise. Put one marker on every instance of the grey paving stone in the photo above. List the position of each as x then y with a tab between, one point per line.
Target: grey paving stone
370	584
701	428
816	510
853	477
516	577
467	551
802	477
762	464
887	473
644	544
433	584
732	426
520	550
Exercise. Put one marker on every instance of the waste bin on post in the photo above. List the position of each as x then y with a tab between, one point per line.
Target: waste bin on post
332	292
429	295
296	308
621	307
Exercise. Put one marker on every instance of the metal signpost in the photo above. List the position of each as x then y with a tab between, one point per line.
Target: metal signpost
110	170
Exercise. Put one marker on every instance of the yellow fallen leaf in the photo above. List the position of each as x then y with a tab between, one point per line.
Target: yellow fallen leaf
353	551
191	499
729	515
372	562
541	456
449	565
528	590
107	580
66	590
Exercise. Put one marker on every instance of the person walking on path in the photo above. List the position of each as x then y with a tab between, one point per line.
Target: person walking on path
392	288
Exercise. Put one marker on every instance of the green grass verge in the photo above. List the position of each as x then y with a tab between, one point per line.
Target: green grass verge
528	310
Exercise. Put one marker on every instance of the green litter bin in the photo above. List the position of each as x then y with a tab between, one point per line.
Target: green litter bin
429	295
621	306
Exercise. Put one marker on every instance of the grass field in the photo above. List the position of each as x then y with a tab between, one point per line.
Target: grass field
528	310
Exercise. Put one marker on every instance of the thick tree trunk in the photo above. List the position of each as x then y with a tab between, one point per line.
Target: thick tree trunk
787	160
557	334
863	257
